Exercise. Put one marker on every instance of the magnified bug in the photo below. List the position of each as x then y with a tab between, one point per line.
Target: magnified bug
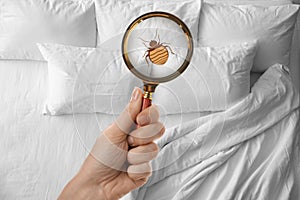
157	52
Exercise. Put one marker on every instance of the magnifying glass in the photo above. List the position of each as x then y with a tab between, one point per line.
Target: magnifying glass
157	47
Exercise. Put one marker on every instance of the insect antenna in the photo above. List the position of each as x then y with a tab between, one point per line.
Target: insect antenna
158	39
143	39
156	34
145	45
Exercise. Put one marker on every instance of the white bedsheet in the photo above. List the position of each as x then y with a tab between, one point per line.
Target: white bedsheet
38	153
250	151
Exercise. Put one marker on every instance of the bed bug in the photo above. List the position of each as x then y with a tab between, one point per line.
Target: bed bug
157	52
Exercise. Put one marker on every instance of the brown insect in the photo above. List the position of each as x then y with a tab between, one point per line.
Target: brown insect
157	52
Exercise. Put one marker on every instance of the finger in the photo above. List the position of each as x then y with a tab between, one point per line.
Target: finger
142	154
146	134
108	152
148	116
140	171
126	119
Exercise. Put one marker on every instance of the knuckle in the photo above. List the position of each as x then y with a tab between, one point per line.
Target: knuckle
147	167
153	147
160	127
148	174
145	180
131	171
155	111
162	131
130	157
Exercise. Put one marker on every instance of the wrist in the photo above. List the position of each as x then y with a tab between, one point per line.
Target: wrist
79	188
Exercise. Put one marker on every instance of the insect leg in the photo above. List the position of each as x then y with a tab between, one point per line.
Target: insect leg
145	54
147	59
170	49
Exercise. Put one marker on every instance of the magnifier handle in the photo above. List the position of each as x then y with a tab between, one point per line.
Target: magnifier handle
147	96
146	103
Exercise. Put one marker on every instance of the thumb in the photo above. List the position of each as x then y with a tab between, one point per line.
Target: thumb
123	124
107	148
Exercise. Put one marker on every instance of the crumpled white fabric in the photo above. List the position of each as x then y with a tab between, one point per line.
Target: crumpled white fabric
250	151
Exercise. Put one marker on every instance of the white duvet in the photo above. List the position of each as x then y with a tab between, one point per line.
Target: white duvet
39	154
247	152
251	151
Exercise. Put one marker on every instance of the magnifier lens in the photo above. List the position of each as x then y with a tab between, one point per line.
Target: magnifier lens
157	47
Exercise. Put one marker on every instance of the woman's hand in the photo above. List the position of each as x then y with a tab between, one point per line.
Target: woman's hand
112	169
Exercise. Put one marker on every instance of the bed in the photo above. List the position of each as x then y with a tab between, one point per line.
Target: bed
255	156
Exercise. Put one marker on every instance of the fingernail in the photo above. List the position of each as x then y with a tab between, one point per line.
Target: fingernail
135	94
130	140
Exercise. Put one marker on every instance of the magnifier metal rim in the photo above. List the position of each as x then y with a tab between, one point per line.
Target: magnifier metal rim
184	65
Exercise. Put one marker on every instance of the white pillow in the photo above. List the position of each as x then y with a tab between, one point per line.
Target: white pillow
114	16
216	78
252	2
86	80
23	23
271	26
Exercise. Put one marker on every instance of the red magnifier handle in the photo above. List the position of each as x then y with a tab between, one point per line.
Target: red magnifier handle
146	103
147	96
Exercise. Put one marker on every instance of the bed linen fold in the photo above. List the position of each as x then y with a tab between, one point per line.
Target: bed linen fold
250	151
40	153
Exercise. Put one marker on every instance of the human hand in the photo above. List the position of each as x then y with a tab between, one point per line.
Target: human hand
112	169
